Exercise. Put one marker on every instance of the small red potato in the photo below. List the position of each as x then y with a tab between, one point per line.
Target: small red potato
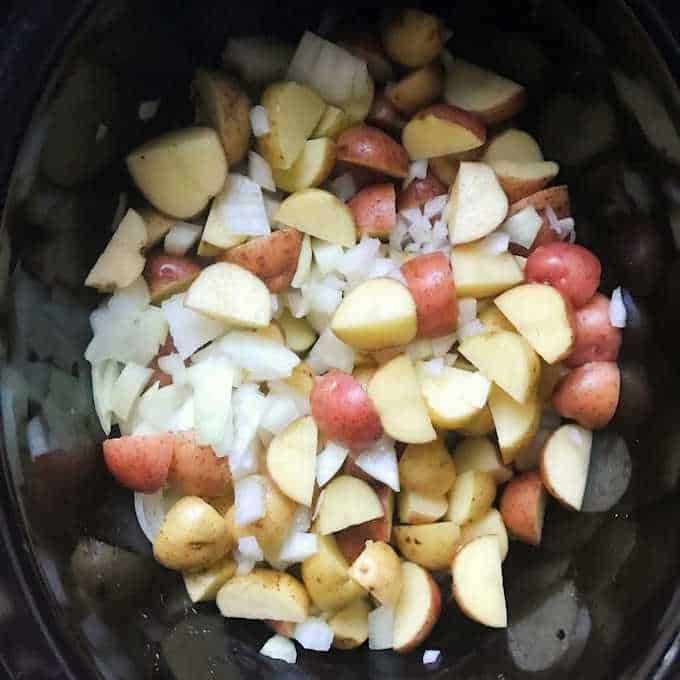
344	412
372	148
430	281
374	209
572	269
383	115
167	275
196	470
595	338
162	378
140	462
272	258
522	507
589	394
420	191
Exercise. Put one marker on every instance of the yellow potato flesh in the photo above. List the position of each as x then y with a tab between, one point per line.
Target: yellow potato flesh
515	423
430	545
415	508
479	274
471	497
336	513
490	524
431	137
311	168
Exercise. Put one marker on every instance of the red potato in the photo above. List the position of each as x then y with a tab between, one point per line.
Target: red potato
589	394
344	412
383	115
430	281
196	470
522	507
372	148
572	269
420	191
374	209
140	462
272	258
168	347
167	275
595	338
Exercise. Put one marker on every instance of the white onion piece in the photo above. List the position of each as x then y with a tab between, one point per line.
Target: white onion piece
419	349
248	405
181	238
148	109
297	303
298	547
381	628
440	346
158	405
617	310
467	311
322	299
260	171
276	307
440	235
474	327
280	411
259	120
416	170
173	365
183	419
358	261
411	215
326	255
238	210
250	495
435	206
495	243
380	462
431	656
104	376
329	352
131	300
329	461
343	187
523	226
243	565
151	509
131	381
314	633
382	267
281	648
434	367
263	358
563	228
37	437
304	264
250	548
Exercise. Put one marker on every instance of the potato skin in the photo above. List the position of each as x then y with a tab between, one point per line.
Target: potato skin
589	394
522	507
272	258
572	269
595	338
413	38
196	470
374	210
427	469
344	412
420	191
416	89
378	570
430	281
383	115
372	148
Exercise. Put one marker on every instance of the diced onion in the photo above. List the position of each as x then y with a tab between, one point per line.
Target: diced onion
298	547
280	411
259	120
358	261
314	633
247	405
238	210
495	243
380	462
148	109
343	187
329	352
37	437
243	565
297	303
431	656
129	301
467	310
399	234
250	497
128	387
434	367
617	309
474	327
181	238
440	346
416	170
381	628
250	548
326	255
151	509
329	461
450	359
523	226
435	206
263	358
563	228
281	648
260	171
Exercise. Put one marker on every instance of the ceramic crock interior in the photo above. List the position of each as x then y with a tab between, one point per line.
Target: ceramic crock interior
596	598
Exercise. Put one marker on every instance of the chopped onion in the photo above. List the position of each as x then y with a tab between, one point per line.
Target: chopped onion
434	367
431	656
250	496
238	210
440	235
467	310
148	109
250	549
183	420
259	120
281	648
416	170
329	461
440	346
358	261
326	255
411	215
131	300
151	509
474	327
298	547
131	381
523	226
260	171
37	437
181	238
563	228
257	59
158	405
280	411
380	462
381	628
263	358
419	349
314	633
330	352
297	303
495	243
276	307
617	310
382	267
248	405
435	206
104	376
321	298
304	264
343	187
399	234
243	565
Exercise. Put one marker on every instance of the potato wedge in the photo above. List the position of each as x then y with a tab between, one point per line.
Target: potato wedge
522	507
350	625
311	167
378	571
412	37
416	89
520	180
167	275
472	495
479	453
479	274
512	145
490	524
332	123
415	508
370	147
336	513
427	469
494	320
157	225
298	334
203	586
515	423
432	546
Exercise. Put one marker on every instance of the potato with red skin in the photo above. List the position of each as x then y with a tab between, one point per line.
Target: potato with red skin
430	282
372	148
344	412
383	115
595	337
272	258
589	394
570	268
374	210
420	191
140	462
162	378
167	275
196	470
522	507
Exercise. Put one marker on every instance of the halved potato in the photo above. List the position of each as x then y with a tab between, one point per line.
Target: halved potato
412	37
520	180
416	89
332	123
336	513
427	468
157	225
479	453
416	508
350	625
203	586
299	335
523	507
513	145
490	524
479	274
493	319
264	594
478	425
311	168
515	423
432	546
471	497
378	571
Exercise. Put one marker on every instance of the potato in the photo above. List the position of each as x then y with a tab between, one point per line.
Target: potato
374	210
506	359
570	268
180	171
522	507
297	333
595	337
471	497
350	625
332	123
167	275
416	89
311	167
202	586
430	281
415	508
512	145
318	213
417	610
427	469
477	204
378	313
477	582
367	47
196	470
589	394
383	115
479	453
564	464
140	462
121	263
264	594
363	375
272	332
432	546
396	395
272	258
494	320
378	571
420	191
230	293
369	147
344	411
515	423
413	38
302	379
490	524
291	460
442	130
520	180
478	425
193	536
326	578
294	111
357	109
490	96
336	513
157	225
221	104
445	168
